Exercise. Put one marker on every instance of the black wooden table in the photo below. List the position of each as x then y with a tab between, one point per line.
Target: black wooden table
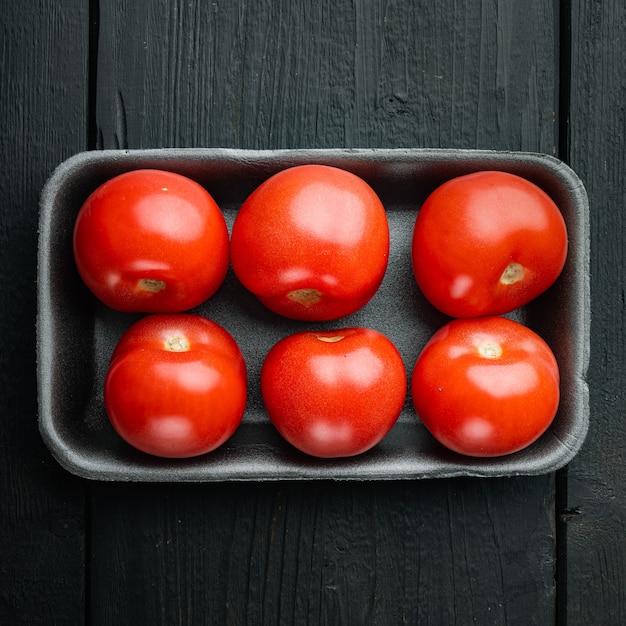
539	76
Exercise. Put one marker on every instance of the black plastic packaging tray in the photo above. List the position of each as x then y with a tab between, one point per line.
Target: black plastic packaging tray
76	334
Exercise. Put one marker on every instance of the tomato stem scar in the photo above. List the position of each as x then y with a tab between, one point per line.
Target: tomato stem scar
490	350
177	344
306	297
150	284
333	339
513	273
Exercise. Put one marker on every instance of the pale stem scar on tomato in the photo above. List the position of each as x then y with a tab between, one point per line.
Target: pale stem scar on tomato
333	339
150	284
177	343
513	273
306	297
490	350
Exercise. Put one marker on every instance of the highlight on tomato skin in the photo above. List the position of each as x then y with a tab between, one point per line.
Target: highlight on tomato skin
176	386
334	393
487	243
486	387
311	242
150	241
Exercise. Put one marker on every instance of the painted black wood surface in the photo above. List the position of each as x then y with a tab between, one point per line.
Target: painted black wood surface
540	76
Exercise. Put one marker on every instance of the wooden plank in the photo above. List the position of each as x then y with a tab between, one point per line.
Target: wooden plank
595	513
326	74
437	552
43	113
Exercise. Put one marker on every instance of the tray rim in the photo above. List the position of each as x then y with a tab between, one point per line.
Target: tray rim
76	463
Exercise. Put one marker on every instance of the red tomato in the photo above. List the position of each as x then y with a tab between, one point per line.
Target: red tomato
311	242
487	243
176	385
334	393
151	241
486	386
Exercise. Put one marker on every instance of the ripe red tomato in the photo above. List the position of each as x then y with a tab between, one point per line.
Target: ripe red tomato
311	242
151	241
334	393
176	385
486	386
487	243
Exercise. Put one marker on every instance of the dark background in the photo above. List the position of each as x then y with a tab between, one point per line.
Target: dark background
538	76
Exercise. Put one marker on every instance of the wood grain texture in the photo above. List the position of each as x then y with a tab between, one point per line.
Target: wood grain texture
287	74
283	74
596	541
42	108
432	553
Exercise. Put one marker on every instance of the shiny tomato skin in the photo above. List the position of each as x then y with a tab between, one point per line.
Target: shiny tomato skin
176	385
334	393
486	386
150	241
311	242
487	243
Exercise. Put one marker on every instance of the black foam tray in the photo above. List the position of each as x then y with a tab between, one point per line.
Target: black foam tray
76	334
